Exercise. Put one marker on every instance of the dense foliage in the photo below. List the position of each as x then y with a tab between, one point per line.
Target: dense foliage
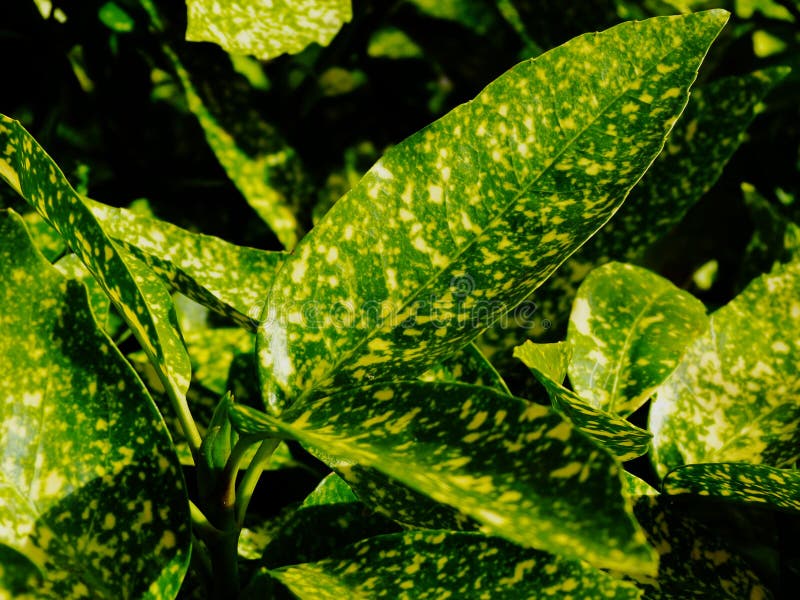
319	300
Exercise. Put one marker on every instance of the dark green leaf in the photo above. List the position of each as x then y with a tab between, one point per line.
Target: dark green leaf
263	28
462	221
742	482
90	489
468	365
331	490
733	397
472	448
72	268
627	332
438	564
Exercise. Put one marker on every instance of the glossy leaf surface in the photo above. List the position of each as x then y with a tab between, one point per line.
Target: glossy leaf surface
740	482
331	490
733	397
472	448
90	488
627	332
463	220
434	564
468	365
266	28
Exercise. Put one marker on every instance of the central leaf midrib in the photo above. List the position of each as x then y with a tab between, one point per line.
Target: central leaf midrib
349	354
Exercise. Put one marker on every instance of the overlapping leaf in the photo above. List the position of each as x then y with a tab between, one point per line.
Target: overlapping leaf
232	280
694	562
733	397
90	488
742	482
331	490
623	439
627	332
145	305
468	365
264	168
494	195
266	28
437	564
472	448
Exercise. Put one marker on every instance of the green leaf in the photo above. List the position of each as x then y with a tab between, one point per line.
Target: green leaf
266	28
733	397
627	332
462	221
635	487
331	490
254	155
467	365
440	564
212	352
90	489
72	268
550	360
472	448
623	439
232	280
694	563
742	482
141	300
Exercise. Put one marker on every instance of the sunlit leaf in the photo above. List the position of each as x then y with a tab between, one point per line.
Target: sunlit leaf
439	564
472	448
232	280
266	28
741	482
90	488
623	439
331	490
462	221
550	360
733	397
694	562
467	365
627	332
635	487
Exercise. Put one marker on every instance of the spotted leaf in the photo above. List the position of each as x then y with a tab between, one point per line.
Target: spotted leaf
694	562
636	487
703	140
264	168
462	221
627	332
472	448
331	490
623	439
741	482
90	486
733	397
141	300
438	564
468	365
71	267
230	279
266	28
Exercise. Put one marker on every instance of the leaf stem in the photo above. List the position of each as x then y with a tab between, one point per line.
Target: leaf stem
200	523
181	407
248	484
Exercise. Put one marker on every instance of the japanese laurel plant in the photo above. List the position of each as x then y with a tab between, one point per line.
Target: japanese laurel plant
441	484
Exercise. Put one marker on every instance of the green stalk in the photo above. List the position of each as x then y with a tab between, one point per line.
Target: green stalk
248	484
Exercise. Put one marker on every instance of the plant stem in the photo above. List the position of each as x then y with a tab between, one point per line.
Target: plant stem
181	407
248	484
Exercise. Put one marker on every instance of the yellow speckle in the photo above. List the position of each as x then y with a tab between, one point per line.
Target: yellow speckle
671	93
478	420
110	521
562	431
567	471
385	394
435	192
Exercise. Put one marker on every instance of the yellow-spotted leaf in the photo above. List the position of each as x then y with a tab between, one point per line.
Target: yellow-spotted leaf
230	279
694	562
636	487
141	300
264	168
733	397
627	332
212	352
72	268
519	469
331	490
442	564
266	28
623	439
91	491
467	365
739	482
459	223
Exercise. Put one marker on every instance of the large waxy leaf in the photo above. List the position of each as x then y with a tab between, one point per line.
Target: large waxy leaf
144	304
254	155
463	220
694	562
627	332
473	448
438	564
331	490
733	397
266	28
90	488
232	280
703	140
467	365
623	439
741	482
